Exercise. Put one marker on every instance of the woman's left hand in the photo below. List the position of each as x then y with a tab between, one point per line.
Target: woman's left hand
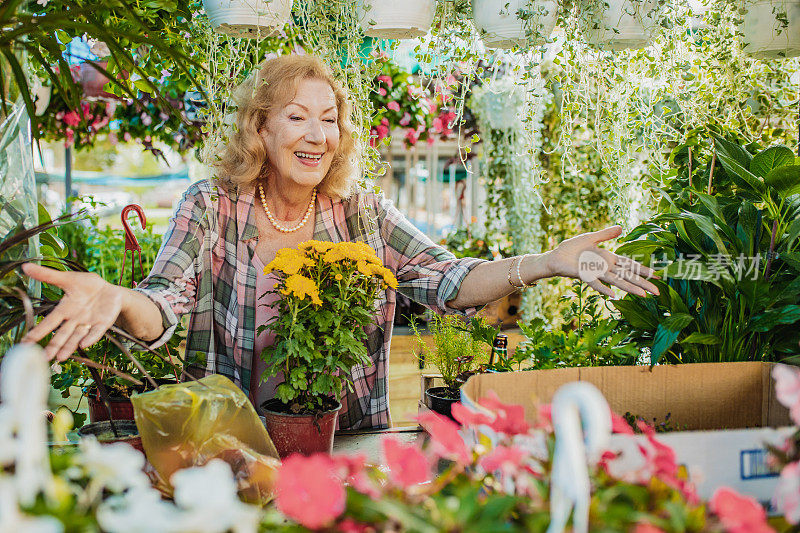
580	257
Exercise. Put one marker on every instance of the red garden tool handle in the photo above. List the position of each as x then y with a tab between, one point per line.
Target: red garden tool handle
131	243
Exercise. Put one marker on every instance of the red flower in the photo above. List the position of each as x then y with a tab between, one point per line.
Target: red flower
739	514
447	442
72	119
510	418
382	131
507	458
393	106
408	466
467	417
308	490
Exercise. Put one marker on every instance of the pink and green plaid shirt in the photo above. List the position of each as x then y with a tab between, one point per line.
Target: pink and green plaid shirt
205	268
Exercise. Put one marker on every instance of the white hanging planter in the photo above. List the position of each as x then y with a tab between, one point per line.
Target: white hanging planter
764	35
501	28
248	18
619	24
396	19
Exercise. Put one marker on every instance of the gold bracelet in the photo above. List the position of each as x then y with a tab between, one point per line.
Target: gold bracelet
510	268
519	274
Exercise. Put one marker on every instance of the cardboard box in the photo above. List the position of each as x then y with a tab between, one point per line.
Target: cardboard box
727	413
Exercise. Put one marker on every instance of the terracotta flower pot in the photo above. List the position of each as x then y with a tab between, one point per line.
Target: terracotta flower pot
126	430
305	434
440	400
121	408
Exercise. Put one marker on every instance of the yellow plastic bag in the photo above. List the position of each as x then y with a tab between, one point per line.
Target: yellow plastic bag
188	424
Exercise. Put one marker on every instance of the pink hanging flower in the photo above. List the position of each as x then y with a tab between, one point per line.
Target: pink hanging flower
70	140
382	131
72	119
146	119
510	418
787	389
381	91
787	493
430	140
507	459
308	490
408	466
385	79
739	514
433	107
405	120
385	121
412	136
393	105
438	126
447	442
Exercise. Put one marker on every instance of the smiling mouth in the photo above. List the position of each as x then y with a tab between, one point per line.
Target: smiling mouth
306	156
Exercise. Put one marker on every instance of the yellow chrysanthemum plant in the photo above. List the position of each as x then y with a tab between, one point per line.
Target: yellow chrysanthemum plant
328	292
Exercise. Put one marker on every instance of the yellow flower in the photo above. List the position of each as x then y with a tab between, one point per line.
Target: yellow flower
301	287
377	271
289	261
317	246
338	277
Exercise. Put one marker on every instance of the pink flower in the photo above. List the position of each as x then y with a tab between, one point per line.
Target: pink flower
406	119
510	418
738	514
433	107
620	425
408	466
70	140
393	105
787	493
127	136
146	119
411	136
647	528
544	417
505	458
438	126
385	121
308	490
72	119
352	469
382	131
381	91
348	525
385	79
447	442
787	389
466	416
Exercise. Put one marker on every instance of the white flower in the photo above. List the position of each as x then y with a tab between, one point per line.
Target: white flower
100	49
116	466
42	2
139	511
11	519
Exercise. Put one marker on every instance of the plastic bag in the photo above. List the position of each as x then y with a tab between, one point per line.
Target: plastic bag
188	424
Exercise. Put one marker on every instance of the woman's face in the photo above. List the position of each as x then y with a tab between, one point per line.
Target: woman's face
302	136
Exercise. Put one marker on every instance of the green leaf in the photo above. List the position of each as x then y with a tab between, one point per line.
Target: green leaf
785	180
689	269
793	233
663	341
637	315
788	314
735	161
678	321
702	338
771	158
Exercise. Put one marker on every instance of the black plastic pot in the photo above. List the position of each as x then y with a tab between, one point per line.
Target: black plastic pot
440	400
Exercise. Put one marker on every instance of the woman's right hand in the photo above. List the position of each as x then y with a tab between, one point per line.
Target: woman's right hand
89	307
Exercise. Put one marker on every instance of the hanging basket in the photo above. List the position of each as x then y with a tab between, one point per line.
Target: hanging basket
764	35
390	19
248	19
500	26
620	24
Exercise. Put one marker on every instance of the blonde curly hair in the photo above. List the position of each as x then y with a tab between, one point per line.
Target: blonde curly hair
244	159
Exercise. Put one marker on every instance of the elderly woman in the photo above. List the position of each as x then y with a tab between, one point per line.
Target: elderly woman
287	176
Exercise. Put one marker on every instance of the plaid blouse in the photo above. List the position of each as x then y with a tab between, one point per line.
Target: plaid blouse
204	267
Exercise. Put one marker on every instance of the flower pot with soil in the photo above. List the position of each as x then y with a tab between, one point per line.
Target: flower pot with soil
327	297
389	19
121	406
459	350
107	432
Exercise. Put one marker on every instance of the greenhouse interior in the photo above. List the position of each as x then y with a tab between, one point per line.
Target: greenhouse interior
420	266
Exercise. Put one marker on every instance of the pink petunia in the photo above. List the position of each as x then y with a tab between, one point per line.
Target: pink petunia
408	466
393	106
787	389
467	417
447	442
386	80
739	514
510	418
381	91
504	458
308	490
787	493
405	120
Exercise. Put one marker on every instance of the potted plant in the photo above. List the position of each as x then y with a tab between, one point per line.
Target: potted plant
459	350
388	19
510	23
770	28
328	294
618	24
248	18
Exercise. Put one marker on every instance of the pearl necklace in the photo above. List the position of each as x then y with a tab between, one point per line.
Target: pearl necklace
284	229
